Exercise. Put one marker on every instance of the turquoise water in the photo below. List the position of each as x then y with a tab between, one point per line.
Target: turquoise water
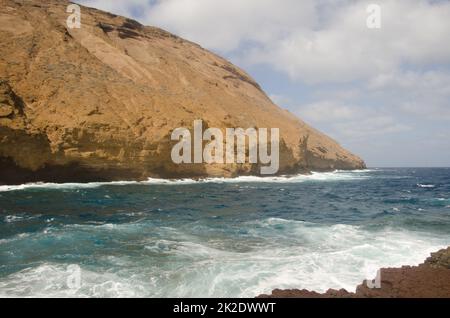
219	238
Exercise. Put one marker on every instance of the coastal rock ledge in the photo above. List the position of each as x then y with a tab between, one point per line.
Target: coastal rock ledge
99	103
428	280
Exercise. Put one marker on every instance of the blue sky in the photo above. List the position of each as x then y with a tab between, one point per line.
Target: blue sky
382	93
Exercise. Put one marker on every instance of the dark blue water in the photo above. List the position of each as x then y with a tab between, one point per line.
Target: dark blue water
236	238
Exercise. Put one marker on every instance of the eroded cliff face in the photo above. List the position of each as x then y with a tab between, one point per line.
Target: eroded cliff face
100	102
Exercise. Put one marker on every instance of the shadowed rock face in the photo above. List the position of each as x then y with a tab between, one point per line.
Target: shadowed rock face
428	280
100	102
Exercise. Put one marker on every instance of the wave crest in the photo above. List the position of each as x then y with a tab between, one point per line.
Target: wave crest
314	176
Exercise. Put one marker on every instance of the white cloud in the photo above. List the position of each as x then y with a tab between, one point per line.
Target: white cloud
343	49
425	94
220	24
225	25
435	81
326	111
312	41
351	122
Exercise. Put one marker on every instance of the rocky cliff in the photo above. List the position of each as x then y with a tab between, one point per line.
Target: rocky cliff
100	102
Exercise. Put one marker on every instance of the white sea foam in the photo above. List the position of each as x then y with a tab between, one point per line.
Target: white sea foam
279	254
12	218
62	186
426	185
20	217
51	280
315	176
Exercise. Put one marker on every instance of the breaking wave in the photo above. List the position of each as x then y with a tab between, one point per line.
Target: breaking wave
279	253
314	176
429	186
153	239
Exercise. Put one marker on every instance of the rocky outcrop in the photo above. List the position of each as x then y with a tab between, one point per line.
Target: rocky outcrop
439	259
100	102
428	280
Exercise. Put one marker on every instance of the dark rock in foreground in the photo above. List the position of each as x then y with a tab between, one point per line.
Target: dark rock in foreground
428	280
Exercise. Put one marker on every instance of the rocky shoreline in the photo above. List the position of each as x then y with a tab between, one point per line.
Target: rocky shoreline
428	280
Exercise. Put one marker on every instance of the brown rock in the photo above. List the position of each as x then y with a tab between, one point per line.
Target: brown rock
428	280
439	259
6	110
100	102
410	282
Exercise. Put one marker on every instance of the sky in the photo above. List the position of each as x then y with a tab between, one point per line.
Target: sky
383	93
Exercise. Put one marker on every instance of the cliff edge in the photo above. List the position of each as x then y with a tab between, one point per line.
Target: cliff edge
99	103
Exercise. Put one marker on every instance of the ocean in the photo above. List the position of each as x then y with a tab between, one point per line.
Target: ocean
216	237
